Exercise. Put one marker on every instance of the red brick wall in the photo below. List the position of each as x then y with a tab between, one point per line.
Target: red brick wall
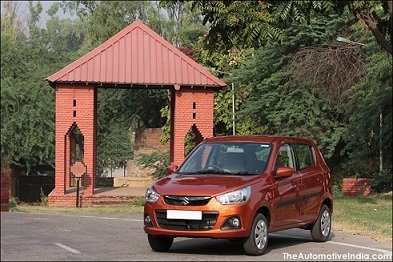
148	139
5	192
184	116
68	115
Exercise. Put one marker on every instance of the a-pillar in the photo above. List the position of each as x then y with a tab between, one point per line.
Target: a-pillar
190	108
76	106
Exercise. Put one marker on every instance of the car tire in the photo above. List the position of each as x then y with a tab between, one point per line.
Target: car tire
256	242
160	243
320	230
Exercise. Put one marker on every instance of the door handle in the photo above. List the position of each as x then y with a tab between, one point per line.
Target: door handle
269	197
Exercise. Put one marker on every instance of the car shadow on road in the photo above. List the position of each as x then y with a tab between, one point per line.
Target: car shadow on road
219	247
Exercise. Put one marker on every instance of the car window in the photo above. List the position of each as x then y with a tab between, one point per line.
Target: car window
304	155
284	157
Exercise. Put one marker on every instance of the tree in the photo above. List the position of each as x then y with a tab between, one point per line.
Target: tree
275	105
27	122
369	118
27	102
262	20
11	23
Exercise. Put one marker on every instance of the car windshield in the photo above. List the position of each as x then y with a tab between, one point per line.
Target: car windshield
236	158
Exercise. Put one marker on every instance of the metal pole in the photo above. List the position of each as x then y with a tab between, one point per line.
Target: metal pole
233	110
380	143
77	192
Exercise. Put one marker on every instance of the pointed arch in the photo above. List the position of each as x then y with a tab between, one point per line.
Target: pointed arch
192	138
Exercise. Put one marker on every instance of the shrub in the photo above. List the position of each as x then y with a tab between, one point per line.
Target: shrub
382	182
12	203
138	201
156	161
43	199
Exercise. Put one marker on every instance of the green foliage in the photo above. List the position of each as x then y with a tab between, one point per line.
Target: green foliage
118	111
109	17
12	203
252	23
237	23
27	121
138	201
166	128
155	161
274	105
370	98
114	147
382	182
183	27
27	102
189	142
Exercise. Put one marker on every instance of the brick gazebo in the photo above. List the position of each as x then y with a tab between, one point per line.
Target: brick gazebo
136	57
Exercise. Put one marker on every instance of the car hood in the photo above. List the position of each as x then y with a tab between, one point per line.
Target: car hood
201	185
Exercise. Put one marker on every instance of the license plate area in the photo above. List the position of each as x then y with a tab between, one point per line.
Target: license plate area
184	214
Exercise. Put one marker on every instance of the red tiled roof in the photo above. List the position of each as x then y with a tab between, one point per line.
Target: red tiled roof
139	56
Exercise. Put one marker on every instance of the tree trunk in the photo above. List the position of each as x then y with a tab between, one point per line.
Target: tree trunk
370	22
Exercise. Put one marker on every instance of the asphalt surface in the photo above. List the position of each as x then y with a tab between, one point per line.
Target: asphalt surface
46	237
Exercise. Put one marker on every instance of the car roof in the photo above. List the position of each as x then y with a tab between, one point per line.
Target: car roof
256	138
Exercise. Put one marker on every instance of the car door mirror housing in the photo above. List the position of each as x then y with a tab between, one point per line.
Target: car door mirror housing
171	169
284	172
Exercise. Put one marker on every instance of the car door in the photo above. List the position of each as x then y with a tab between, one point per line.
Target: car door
286	190
312	177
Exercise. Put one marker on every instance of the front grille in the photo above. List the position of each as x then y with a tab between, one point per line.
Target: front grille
186	200
208	221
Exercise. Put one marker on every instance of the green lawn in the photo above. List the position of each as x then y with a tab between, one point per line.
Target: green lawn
369	216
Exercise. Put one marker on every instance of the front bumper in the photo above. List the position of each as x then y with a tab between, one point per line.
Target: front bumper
223	212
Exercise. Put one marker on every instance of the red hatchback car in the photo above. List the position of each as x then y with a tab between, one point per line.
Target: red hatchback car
242	187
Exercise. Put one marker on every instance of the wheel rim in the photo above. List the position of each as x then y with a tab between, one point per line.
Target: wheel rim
325	223
260	234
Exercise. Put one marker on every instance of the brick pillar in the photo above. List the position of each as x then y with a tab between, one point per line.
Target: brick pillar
190	108
75	106
5	191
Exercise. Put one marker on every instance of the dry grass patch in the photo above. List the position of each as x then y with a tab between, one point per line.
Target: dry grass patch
133	207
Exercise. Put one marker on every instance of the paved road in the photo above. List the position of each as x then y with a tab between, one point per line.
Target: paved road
26	236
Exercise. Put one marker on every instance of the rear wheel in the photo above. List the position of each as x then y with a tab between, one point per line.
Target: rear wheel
160	243
256	242
320	231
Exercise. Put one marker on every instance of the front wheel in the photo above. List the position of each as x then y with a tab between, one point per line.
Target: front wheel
256	242
320	231
160	243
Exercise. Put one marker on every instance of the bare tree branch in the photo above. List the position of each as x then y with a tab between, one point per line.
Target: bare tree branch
330	70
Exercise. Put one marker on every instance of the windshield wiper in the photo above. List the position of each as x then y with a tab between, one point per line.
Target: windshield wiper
211	171
245	173
218	171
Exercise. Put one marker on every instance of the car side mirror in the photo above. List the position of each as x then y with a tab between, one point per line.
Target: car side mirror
171	169
284	172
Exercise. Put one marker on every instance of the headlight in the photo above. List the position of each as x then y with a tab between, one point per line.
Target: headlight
235	197
151	195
